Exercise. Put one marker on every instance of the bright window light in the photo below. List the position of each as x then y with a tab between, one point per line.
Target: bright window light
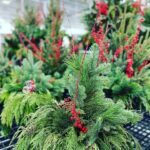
6	2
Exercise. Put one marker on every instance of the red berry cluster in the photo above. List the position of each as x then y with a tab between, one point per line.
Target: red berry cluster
75	117
117	53
146	62
102	8
75	49
137	6
29	87
71	107
99	38
38	51
56	47
129	67
130	51
119	50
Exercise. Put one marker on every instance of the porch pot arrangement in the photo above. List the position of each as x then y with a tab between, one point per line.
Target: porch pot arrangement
28	88
85	120
79	99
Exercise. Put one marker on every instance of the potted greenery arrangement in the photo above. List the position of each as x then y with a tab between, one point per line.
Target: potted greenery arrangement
27	89
85	120
126	57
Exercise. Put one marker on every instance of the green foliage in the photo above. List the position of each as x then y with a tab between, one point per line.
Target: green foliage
146	23
50	126
5	67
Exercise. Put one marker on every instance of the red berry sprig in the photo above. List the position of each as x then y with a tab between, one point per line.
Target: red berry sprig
29	87
102	8
75	117
71	106
99	38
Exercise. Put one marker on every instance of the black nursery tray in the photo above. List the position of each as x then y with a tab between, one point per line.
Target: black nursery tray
5	142
141	131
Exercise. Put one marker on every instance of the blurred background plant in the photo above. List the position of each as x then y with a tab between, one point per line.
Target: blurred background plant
27	25
44	41
27	89
111	13
126	53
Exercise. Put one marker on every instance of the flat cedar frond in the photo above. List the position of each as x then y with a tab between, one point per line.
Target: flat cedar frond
18	106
